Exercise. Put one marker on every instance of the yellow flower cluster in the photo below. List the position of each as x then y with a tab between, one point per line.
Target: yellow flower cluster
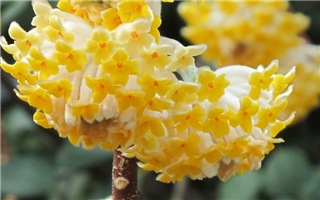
226	128
306	93
91	83
256	32
116	87
242	32
110	14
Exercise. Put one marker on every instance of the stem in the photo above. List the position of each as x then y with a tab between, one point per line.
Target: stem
124	177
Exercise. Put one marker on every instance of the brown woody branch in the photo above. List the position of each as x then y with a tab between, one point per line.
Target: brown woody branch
124	177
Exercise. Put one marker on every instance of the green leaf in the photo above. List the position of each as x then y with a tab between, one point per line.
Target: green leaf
76	157
244	186
72	185
12	116
286	171
26	176
311	188
24	136
78	185
100	190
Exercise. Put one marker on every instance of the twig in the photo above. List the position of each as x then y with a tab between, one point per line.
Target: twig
124	177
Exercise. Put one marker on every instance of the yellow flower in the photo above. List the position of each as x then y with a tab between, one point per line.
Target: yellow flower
190	168
72	59
212	86
40	119
156	57
217	122
38	98
101	87
120	67
60	88
158	104
109	98
184	57
136	35
188	146
39	63
262	34
100	45
182	93
111	19
131	10
270	114
23	41
152	124
55	30
86	111
153	86
191	119
261	81
19	70
127	99
244	116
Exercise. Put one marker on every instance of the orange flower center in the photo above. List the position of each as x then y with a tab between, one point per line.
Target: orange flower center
102	44
134	35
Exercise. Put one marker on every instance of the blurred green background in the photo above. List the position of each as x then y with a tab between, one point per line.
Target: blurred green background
37	164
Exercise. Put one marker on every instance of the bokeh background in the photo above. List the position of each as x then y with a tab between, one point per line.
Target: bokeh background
36	164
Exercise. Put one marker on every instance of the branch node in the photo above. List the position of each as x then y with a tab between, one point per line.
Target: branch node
121	183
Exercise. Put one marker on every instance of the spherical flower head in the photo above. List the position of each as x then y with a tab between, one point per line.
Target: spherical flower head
306	82
227	132
90	82
116	87
243	32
